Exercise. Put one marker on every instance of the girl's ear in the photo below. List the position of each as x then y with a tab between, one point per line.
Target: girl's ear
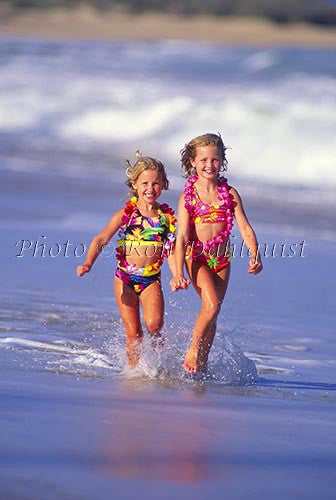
192	161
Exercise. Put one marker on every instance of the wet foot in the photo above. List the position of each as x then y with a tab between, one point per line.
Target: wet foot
191	361
196	360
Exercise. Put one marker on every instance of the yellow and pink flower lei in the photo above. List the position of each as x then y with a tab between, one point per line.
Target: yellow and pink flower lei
167	218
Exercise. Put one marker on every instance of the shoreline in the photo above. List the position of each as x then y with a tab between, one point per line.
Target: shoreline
85	23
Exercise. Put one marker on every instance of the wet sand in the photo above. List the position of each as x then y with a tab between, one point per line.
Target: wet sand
89	24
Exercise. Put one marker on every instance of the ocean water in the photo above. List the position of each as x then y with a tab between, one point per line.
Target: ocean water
70	114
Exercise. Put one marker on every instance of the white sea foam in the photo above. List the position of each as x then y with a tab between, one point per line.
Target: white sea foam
280	124
287	347
120	124
260	60
43	346
229	365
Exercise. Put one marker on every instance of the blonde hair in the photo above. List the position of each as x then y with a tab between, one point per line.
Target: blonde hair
190	150
144	163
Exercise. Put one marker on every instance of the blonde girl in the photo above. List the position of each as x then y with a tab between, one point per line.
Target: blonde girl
206	212
146	234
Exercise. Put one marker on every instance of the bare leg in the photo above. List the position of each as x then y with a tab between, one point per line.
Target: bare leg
205	346
221	280
153	308
128	303
211	288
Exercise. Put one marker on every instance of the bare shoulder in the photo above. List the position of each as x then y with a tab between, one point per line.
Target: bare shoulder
181	202
237	202
183	214
181	198
119	213
117	216
239	210
234	193
114	223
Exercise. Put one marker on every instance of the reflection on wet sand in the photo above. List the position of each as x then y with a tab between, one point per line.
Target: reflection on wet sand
156	439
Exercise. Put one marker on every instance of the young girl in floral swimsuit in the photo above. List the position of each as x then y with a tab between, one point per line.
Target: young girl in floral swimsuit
146	236
206	212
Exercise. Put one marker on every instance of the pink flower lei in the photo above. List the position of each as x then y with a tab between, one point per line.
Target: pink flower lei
224	196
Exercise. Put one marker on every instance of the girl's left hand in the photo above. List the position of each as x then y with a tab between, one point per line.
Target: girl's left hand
255	266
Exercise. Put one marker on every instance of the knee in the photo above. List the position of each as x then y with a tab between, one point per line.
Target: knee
211	309
154	325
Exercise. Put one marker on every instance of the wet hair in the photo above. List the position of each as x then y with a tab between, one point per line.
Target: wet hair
144	163
190	150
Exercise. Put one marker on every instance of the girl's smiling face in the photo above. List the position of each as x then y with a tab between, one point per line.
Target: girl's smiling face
148	186
207	161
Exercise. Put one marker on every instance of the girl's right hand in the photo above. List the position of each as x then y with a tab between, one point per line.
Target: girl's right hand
83	269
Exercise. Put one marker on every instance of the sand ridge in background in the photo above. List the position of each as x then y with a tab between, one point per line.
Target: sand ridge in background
86	23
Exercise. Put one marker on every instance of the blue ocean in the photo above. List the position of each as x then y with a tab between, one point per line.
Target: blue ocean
75	423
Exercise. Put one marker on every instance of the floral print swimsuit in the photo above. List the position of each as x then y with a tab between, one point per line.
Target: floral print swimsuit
202	213
138	230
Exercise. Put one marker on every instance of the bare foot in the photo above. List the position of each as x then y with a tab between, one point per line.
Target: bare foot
196	360
191	360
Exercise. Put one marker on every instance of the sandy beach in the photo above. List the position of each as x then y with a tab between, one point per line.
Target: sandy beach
89	24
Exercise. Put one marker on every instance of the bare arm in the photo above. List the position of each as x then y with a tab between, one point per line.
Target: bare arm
171	262
247	234
179	280
99	241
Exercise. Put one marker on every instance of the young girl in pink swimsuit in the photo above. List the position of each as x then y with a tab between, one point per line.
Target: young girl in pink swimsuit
206	212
